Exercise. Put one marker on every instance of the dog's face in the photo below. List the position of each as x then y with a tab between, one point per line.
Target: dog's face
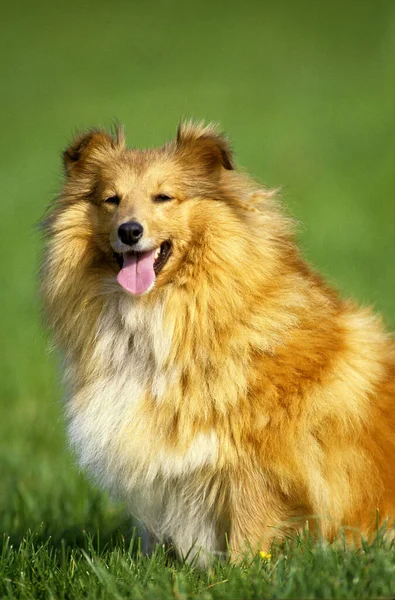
139	204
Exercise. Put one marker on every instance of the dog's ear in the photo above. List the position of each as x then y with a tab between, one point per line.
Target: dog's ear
91	147
205	144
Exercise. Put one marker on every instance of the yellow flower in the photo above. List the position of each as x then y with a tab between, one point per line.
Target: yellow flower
265	555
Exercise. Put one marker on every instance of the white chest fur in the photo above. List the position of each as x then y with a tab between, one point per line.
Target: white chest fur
114	438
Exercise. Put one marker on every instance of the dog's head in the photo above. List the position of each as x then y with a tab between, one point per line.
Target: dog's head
140	205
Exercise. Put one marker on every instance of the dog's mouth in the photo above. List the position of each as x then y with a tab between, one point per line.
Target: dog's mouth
138	270
162	255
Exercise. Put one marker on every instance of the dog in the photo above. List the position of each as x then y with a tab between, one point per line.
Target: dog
214	380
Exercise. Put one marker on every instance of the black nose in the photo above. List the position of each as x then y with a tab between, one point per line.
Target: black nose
130	232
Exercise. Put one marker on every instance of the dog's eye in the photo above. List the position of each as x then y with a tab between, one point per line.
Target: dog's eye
113	200
162	198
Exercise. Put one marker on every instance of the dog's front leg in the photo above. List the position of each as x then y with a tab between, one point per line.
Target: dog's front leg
258	514
148	540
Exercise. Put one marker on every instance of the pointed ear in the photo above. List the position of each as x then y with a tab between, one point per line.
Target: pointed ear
90	147
206	144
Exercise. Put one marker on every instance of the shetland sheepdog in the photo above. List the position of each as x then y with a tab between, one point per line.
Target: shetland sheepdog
214	381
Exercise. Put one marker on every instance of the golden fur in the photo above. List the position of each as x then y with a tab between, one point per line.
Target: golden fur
240	397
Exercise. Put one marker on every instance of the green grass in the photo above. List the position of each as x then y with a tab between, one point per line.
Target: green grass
305	90
297	569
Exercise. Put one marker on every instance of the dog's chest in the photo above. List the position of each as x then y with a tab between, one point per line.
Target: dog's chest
114	435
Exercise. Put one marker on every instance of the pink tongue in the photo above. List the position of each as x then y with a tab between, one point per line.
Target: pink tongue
137	273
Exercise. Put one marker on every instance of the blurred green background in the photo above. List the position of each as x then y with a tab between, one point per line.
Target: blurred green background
305	90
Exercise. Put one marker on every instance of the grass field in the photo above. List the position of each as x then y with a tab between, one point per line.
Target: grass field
306	90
